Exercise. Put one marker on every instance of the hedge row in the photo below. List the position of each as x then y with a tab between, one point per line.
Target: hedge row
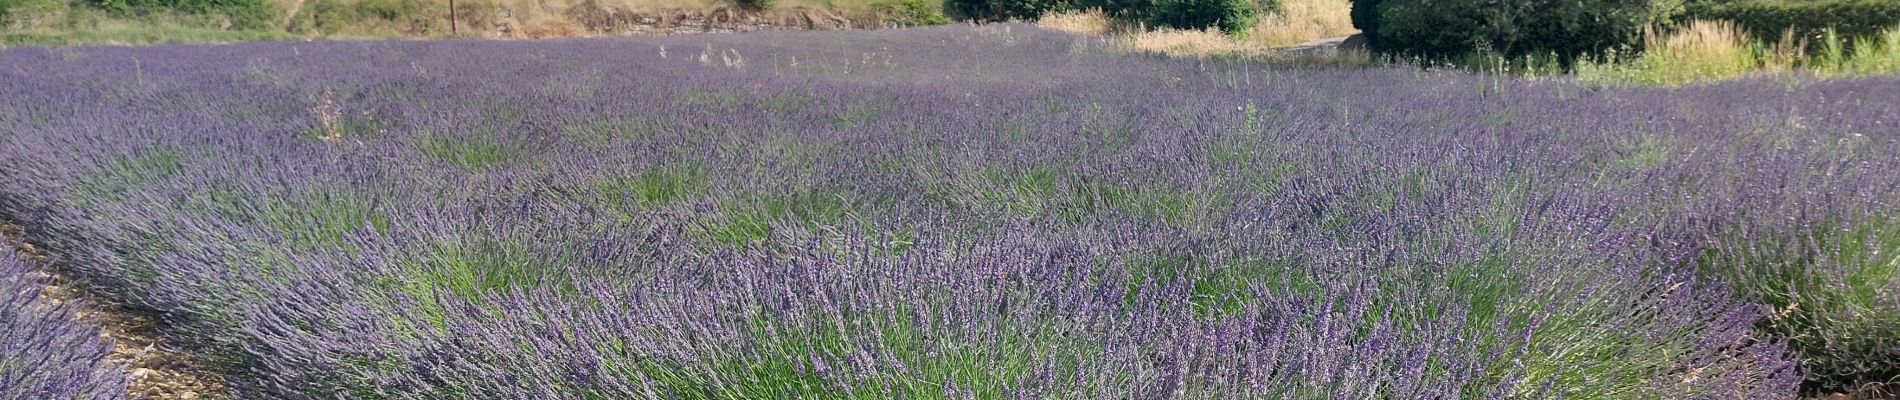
1807	19
1443	28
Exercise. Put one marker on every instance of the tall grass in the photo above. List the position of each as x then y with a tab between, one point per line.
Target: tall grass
1092	21
1871	55
1705	51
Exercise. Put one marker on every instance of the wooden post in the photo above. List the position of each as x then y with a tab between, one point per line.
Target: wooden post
452	18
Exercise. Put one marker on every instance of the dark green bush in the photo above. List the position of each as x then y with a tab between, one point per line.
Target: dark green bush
752	4
1231	16
1807	19
1005	10
1444	28
1365	15
6	6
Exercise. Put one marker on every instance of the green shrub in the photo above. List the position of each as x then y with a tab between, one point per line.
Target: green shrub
1231	16
752	4
243	14
1513	28
916	13
25	12
1808	20
1005	10
1365	15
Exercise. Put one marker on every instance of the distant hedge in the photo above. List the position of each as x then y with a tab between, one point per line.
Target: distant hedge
1767	19
1440	28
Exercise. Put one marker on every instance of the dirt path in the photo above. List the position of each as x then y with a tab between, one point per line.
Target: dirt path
158	372
1327	45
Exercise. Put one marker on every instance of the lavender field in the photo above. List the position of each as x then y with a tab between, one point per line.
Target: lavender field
991	212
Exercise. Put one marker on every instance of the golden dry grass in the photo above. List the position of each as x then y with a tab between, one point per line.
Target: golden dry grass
1090	22
1189	43
1301	21
1174	42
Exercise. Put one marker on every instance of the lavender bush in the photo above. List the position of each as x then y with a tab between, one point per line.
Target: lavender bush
44	352
955	212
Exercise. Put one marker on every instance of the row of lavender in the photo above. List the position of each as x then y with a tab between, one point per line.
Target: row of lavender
959	212
45	352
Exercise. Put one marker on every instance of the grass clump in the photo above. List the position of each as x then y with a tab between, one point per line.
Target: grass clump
650	189
473	152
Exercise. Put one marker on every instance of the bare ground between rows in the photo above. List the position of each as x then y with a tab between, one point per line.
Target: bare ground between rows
158	371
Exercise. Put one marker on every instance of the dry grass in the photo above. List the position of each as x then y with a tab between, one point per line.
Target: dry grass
1090	22
1174	42
1701	49
1301	21
551	29
654	5
1189	43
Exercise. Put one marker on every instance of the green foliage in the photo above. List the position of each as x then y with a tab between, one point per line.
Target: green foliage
1365	15
1872	55
652	188
1006	10
1512	28
1230	16
1671	66
473	268
472	152
243	14
14	12
782	362
752	4
749	218
916	13
122	174
1808	20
